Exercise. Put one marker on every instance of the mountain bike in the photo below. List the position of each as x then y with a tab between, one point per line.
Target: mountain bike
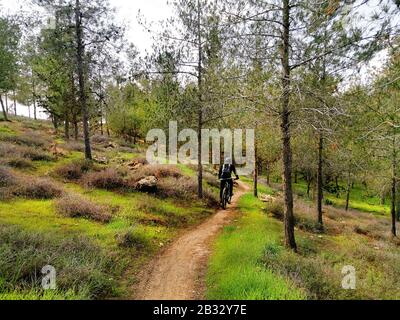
226	193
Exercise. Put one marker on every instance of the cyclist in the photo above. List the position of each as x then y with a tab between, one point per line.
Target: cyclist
225	175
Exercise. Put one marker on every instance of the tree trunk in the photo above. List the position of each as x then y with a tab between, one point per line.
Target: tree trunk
268	173
320	194
295	176
337	187
200	107
285	127
6	99
348	190
66	126
398	200
34	99
15	103
101	123
82	92
34	110
393	196
309	180
3	108
76	129
54	119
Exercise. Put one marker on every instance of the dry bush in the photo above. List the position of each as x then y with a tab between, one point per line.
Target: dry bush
19	163
7	149
141	160
75	206
74	170
211	179
159	171
74	146
100	139
108	179
37	188
275	208
7	177
32	153
183	188
32	139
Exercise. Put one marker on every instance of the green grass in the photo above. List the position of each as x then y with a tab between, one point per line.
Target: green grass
359	199
235	269
150	222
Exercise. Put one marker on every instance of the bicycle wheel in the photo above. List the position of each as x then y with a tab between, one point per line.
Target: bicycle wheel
224	198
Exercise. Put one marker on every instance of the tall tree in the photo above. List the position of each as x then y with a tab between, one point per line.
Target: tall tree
9	40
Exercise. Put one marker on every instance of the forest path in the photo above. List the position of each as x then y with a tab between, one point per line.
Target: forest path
178	272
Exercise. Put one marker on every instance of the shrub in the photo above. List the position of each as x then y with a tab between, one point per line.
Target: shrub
36	155
158	171
82	267
211	180
100	139
275	208
74	170
108	179
7	150
31	140
7	177
19	163
37	189
75	206
184	188
74	146
134	238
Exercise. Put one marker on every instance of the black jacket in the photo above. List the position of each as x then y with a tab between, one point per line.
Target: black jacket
225	171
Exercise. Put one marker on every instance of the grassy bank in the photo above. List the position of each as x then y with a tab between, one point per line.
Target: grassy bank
249	260
106	230
236	270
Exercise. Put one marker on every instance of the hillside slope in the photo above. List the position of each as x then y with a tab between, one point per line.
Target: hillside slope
91	221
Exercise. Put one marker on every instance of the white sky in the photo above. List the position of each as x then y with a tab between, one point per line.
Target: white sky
157	10
127	11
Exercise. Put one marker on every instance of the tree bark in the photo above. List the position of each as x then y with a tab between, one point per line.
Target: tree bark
337	187
398	201
348	190
393	195
15	103
268	173
3	108
285	127
82	92
66	126
309	181
6	99
200	107
34	99
320	194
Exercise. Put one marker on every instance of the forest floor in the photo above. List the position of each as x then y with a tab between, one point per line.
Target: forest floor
178	272
249	259
87	221
102	235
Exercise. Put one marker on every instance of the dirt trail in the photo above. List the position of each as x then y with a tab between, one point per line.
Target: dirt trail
178	272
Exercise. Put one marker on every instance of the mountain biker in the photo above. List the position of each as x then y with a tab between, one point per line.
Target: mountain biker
225	175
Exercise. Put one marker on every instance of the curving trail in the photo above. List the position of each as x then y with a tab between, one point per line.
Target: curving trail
178	272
